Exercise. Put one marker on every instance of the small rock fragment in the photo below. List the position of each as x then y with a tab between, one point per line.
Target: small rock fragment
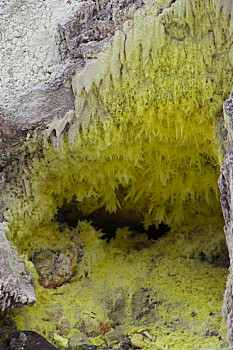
28	340
55	267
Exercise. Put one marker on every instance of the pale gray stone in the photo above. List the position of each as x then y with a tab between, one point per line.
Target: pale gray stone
16	285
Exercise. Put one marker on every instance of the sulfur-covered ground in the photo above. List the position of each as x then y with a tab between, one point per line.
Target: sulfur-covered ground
164	294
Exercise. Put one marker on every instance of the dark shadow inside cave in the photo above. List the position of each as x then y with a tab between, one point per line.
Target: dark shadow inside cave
69	215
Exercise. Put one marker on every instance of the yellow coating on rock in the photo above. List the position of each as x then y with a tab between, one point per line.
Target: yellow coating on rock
151	141
149	111
157	292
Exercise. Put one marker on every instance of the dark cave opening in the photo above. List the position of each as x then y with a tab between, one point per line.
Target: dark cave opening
69	215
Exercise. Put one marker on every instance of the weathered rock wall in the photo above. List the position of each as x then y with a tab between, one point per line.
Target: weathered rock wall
226	188
16	285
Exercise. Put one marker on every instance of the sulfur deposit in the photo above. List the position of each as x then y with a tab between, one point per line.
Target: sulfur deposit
137	147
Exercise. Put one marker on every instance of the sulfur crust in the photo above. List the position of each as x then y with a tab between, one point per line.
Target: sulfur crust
155	147
149	112
187	293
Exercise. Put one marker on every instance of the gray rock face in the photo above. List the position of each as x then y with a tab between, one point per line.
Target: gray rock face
15	283
226	188
83	34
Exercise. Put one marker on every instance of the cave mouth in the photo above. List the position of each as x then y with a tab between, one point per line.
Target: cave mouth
102	271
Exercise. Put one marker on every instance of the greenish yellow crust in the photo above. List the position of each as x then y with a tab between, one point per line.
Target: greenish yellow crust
148	112
156	147
158	290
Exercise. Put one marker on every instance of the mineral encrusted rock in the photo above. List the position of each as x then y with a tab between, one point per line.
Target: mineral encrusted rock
41	93
56	40
73	32
56	267
16	286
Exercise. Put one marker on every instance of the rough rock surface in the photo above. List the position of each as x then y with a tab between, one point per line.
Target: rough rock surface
226	188
15	284
38	60
27	340
56	267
